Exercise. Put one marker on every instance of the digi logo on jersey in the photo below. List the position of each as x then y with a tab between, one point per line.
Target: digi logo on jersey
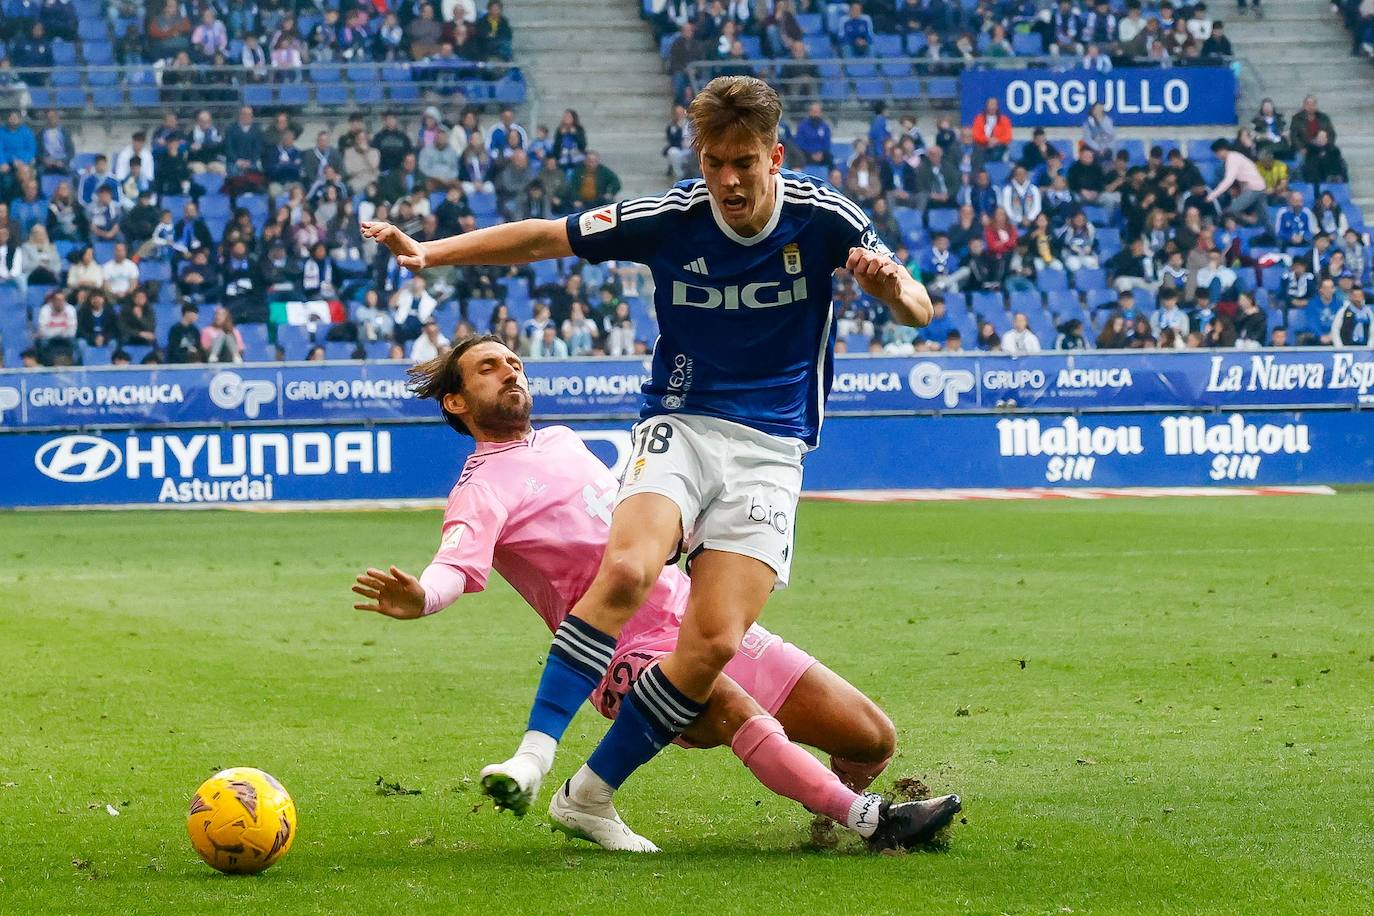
215	467
930	380
749	295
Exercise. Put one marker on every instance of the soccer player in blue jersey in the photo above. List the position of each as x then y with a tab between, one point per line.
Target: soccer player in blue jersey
742	261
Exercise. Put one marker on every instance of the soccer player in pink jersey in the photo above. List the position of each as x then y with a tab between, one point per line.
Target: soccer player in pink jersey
536	506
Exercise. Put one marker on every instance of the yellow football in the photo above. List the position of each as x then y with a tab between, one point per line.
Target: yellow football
241	821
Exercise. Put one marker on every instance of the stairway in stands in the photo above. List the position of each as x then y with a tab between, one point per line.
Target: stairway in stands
1300	48
598	59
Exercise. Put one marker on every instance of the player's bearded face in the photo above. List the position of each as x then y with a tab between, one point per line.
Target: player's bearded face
495	391
738	169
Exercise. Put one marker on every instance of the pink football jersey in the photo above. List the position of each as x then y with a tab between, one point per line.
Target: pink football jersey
538	511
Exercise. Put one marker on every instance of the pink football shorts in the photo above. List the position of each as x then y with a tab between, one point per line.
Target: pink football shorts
766	666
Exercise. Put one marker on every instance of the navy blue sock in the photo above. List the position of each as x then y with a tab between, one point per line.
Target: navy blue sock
578	659
653	714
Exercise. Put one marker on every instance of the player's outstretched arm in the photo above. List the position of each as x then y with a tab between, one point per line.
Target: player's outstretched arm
393	593
510	243
885	280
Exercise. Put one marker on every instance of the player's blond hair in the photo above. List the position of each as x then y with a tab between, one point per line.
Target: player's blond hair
733	104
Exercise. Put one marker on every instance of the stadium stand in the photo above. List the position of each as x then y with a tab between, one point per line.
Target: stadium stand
224	213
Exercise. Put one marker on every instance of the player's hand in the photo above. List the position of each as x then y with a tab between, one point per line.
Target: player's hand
877	274
409	253
395	593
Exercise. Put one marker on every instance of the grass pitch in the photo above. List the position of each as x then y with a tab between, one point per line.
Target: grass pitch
1158	705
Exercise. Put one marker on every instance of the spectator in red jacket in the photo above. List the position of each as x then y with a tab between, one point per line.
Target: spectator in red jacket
1000	235
992	131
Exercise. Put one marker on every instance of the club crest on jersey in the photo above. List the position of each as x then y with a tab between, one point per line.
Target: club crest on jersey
598	220
791	258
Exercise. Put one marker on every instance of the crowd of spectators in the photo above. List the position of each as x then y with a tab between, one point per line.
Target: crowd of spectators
270	38
199	241
1245	241
941	36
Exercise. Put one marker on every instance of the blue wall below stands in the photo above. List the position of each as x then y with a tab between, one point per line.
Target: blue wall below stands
190	467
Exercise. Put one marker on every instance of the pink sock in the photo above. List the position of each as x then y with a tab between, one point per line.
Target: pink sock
858	776
789	770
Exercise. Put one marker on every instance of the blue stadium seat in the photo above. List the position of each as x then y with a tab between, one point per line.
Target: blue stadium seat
860	69
1308	192
1167	146
870	90
987	304
956	302
1296	322
1109	236
214	206
1341	192
377	349
818	47
144	96
92	29
915	43
293	94
403	92
811	23
1089	278
1052	280
41	97
96	356
1101	298
1144	299
895	68
331	94
255	204
108	98
152	270
98	53
367	93
753	46
1096	215
1063	302
481	203
67	77
397	73
294	340
325	73
906	88
360	74
830	70
888	46
48	184
998	172
943	88
1200	151
1026	300
999	319
1043	327
665	43
1271	278
104	250
63	53
1027	44
834	90
257	94
941	219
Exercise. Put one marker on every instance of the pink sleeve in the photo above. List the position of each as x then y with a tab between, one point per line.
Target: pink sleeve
443	585
473	522
1228	178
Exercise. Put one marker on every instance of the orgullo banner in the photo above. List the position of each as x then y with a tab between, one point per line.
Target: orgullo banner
584	389
186	468
1133	97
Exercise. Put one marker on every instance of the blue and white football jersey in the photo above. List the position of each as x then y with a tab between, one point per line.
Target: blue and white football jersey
745	329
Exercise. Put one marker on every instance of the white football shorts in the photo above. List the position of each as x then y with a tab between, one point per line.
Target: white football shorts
736	487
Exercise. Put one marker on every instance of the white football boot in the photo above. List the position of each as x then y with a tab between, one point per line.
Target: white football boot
514	784
598	824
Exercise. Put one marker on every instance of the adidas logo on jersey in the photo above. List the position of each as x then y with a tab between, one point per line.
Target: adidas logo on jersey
697	267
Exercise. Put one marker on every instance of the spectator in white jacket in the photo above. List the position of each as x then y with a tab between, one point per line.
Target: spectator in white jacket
1021	198
137	149
1020	340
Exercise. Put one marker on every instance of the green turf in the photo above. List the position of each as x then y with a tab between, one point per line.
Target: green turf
1154	705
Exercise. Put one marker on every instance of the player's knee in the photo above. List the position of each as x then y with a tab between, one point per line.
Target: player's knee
876	738
715	650
626	580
